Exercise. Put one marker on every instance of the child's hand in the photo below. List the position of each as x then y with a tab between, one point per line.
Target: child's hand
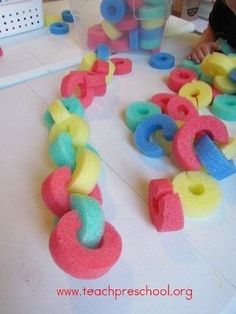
201	50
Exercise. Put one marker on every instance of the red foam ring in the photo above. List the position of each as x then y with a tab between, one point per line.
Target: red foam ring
215	92
78	260
122	65
128	23
161	99
135	4
70	83
86	95
96	34
164	206
119	45
1	52
54	191
97	194
182	145
92	79
101	66
180	76
100	90
180	108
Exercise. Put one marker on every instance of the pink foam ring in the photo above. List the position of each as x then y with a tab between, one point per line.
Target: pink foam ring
97	194
180	108
122	65
101	66
161	99
180	76
135	4
156	50
215	92
165	206
93	79
77	260
100	90
54	191
86	95
1	52
119	45
182	145
128	23
96	34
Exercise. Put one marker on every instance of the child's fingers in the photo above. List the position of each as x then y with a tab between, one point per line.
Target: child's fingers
194	57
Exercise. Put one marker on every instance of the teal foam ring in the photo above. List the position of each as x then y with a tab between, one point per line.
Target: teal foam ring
224	107
47	119
92	219
190	64
152	12
73	105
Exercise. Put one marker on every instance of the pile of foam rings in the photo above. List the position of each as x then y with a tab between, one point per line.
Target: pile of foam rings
130	25
82	243
200	145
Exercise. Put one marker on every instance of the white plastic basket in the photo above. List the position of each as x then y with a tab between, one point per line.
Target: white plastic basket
17	16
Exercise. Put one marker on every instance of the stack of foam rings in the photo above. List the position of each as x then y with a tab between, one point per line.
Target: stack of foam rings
200	145
82	243
130	25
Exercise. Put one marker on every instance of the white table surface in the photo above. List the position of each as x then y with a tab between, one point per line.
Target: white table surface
201	257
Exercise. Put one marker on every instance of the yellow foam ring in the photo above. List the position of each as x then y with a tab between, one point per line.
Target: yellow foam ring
179	123
88	61
58	112
77	127
49	19
198	92
152	24
217	64
85	175
199	193
229	149
233	58
160	139
111	31
224	85
110	74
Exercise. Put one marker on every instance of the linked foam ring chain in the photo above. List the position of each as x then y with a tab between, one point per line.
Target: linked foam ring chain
82	243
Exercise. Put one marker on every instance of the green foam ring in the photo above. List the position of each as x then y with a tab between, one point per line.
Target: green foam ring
92	219
224	107
150	44
190	64
138	111
152	12
62	151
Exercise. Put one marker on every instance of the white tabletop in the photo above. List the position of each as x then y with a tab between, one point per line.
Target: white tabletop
200	258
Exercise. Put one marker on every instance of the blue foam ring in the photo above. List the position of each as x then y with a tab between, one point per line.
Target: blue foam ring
47	119
62	151
73	105
145	130
134	39
103	52
150	34
92	219
113	10
213	160
232	75
162	61
59	28
67	16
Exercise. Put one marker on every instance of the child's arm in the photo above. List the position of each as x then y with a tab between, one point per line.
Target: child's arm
205	46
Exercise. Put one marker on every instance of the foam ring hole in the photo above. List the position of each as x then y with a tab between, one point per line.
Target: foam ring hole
195	93
142	111
112	9
196	189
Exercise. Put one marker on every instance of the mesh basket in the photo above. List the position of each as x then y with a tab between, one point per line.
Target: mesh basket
20	16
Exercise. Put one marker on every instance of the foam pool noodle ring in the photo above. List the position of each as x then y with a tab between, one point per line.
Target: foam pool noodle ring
86	173
159	138
182	147
180	76
224	107
54	191
213	160
190	64
199	193
122	65
97	194
138	111
96	36
92	219
206	78
224	46
232	75
146	128
151	12
229	149
62	151
224	85
164	206
161	99
198	92
217	64
153	23
101	66
113	10
75	126
128	23
119	45
77	260
103	52
180	109
73	105
58	111
135	4
111	72
111	30
88	61
50	19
